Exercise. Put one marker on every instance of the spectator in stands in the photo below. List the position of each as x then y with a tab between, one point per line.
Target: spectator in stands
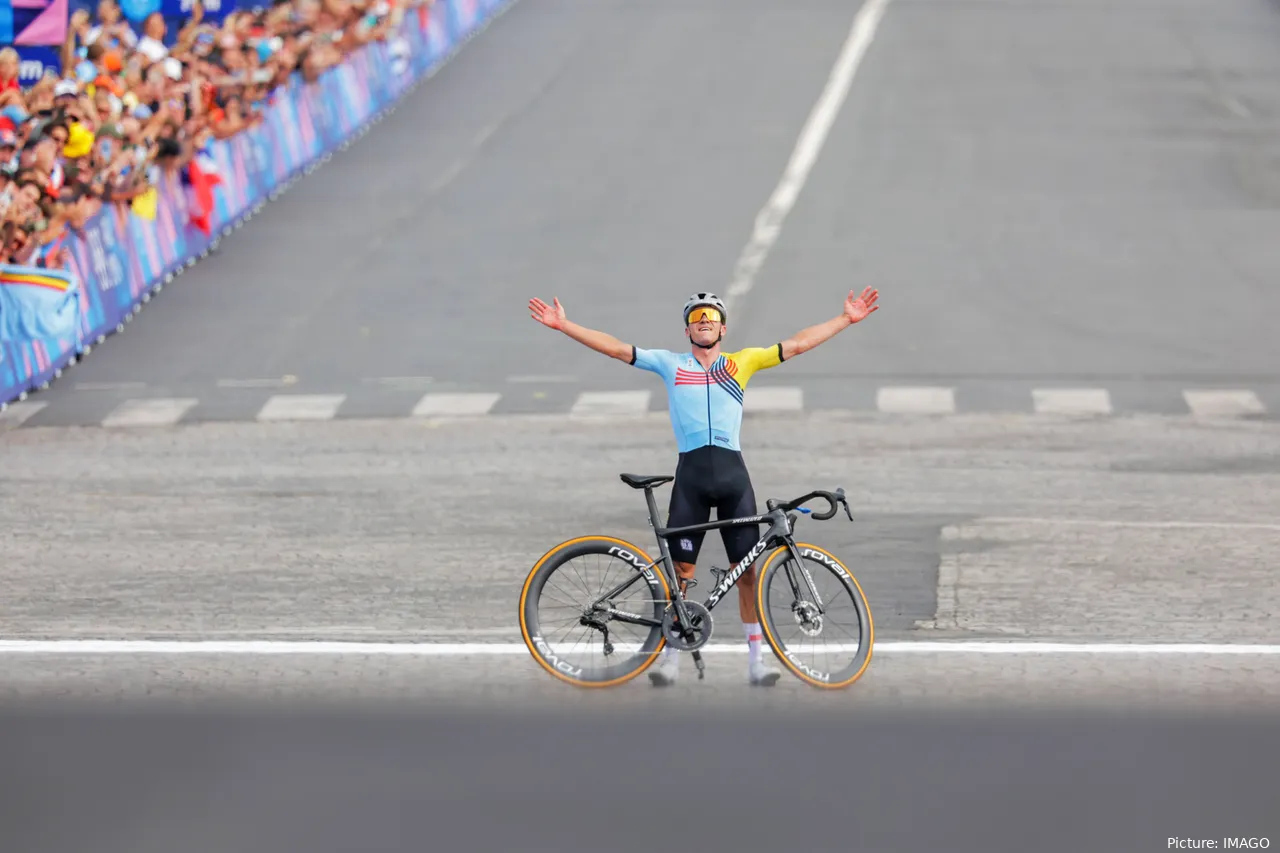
10	66
128	108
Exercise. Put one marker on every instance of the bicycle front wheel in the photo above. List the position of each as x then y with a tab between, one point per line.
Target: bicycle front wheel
584	609
815	616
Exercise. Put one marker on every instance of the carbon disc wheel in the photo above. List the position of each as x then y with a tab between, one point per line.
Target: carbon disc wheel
584	645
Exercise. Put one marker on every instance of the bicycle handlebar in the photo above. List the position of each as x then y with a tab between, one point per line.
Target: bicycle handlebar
835	499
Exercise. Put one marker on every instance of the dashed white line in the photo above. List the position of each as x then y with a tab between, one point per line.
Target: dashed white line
301	407
449	174
16	414
149	412
1071	401
109	386
611	403
401	382
773	399
538	378
277	382
768	224
455	405
916	400
1223	403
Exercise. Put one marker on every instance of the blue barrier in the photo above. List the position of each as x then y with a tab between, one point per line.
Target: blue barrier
120	257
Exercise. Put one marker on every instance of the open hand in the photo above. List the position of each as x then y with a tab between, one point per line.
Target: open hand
552	317
863	306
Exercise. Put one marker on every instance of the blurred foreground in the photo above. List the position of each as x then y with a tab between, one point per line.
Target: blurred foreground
141	779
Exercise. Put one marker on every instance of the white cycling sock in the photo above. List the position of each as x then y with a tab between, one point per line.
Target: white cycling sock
672	655
754	638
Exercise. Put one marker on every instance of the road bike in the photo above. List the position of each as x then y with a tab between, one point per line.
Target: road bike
663	617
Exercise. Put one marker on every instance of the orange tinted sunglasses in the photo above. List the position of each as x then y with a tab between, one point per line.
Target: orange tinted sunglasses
697	315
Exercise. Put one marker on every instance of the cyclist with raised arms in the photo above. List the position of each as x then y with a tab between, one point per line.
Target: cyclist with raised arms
705	390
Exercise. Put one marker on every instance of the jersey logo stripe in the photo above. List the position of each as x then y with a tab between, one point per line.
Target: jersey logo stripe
685	377
724	376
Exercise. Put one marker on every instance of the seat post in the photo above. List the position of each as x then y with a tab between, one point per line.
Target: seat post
654	518
664	551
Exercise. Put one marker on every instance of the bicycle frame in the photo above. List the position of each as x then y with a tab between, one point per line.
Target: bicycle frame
781	524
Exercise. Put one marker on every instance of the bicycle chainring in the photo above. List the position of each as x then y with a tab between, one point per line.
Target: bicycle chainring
700	628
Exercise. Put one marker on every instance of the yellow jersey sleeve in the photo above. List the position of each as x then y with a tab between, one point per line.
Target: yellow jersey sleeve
747	361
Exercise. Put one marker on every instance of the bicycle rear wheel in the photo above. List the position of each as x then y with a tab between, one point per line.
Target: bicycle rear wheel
795	622
566	634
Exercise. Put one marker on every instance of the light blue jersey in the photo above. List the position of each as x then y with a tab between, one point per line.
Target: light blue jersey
706	405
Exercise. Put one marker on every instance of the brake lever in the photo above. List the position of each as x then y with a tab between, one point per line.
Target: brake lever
844	502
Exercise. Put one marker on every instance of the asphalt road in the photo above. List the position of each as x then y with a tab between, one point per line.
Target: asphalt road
991	528
1046	194
611	152
1112	531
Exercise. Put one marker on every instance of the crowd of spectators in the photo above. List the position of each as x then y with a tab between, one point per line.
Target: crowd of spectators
128	106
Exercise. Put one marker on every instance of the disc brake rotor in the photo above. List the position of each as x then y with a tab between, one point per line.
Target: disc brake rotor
807	617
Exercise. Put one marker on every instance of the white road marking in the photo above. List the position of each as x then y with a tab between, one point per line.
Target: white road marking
149	412
280	382
543	377
301	407
402	382
483	136
1223	403
1072	401
916	400
321	647
447	176
611	403
771	399
109	386
946	613
446	405
768	224
16	414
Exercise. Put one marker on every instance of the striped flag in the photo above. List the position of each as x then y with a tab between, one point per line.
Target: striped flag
37	303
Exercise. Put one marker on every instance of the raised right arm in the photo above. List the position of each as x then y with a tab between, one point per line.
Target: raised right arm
552	316
601	342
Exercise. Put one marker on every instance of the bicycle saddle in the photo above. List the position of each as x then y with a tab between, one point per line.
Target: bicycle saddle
642	481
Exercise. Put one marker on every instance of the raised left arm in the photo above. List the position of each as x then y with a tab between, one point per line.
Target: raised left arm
855	310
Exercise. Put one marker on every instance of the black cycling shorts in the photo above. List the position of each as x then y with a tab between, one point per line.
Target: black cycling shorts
712	477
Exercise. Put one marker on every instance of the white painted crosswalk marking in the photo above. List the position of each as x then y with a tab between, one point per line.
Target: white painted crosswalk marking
454	404
16	414
1072	401
605	406
301	407
773	399
916	400
1222	403
611	403
149	412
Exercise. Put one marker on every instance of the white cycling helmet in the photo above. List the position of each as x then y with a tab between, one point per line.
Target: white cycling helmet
704	299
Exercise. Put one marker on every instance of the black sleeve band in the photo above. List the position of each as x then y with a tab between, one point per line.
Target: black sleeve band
633	354
780	358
